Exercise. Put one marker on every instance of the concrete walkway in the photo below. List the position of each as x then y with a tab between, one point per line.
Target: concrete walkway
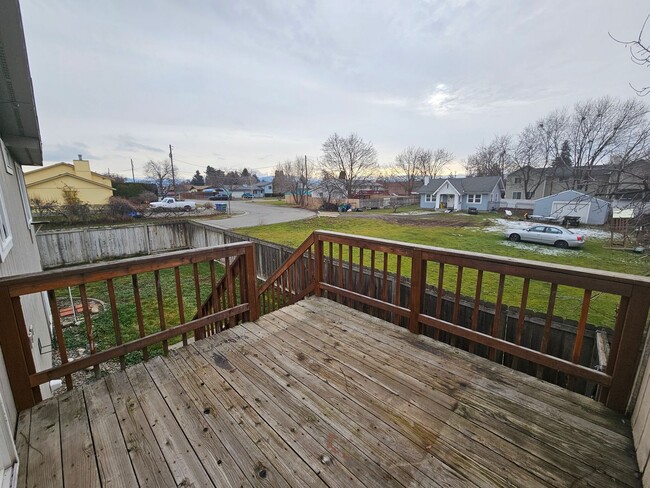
252	214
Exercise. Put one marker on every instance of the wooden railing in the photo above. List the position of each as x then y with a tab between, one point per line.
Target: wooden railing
167	322
293	280
423	288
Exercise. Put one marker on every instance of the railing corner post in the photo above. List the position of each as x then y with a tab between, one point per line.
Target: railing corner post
418	277
17	354
251	284
626	351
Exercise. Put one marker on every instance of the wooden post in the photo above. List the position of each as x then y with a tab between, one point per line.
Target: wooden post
251	284
319	260
624	365
16	349
418	274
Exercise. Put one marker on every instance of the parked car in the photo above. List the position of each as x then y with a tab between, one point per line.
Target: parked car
220	196
247	195
173	204
546	234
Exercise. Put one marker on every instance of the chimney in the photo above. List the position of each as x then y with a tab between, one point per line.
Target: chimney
426	180
82	167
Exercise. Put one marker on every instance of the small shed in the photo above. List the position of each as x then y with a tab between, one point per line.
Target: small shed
572	203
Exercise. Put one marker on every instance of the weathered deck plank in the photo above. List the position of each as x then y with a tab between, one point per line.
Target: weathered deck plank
557	447
317	394
113	461
79	462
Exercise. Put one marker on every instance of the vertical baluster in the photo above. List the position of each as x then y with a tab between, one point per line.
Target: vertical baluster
456	312
348	301
371	288
384	285
200	332
580	334
496	323
547	325
440	292
477	306
138	313
161	308
213	295
330	265
179	300
362	277
397	292
310	265
89	325
340	273
519	332
230	289
116	319
58	330
418	287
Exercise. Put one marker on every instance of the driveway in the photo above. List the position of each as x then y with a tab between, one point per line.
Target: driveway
252	214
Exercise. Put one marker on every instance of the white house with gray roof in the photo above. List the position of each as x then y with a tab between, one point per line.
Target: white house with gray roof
480	192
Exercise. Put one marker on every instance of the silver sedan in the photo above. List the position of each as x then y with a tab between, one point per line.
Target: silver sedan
546	234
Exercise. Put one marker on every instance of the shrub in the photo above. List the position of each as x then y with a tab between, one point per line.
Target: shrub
121	208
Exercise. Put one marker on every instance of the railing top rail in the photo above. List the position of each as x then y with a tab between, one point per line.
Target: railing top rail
611	282
76	275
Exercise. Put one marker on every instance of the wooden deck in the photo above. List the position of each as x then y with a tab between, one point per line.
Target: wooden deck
317	394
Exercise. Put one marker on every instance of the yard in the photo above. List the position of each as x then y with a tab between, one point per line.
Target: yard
476	234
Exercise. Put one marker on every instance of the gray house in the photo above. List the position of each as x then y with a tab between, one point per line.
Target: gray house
591	210
480	192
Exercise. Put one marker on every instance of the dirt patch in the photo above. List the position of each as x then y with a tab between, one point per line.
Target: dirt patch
428	221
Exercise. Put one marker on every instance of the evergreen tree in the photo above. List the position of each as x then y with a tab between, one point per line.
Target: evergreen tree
197	179
564	158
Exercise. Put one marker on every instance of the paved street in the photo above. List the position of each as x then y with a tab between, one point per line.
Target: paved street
252	214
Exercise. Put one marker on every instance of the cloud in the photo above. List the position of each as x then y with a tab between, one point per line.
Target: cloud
128	143
67	152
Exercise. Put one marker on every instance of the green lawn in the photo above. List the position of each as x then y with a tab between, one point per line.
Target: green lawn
75	336
474	233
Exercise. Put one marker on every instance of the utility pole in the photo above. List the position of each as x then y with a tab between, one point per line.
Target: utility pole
132	171
171	159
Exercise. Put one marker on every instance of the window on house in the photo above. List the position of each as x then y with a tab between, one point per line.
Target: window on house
6	239
429	197
471	198
4	155
530	195
516	195
23	194
517	181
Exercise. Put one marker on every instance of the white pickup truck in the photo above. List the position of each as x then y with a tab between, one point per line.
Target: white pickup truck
170	203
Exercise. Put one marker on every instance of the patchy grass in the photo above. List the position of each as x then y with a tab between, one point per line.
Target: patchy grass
475	237
102	323
272	201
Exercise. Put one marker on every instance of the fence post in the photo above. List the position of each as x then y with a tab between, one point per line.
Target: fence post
251	284
628	350
418	274
17	352
318	264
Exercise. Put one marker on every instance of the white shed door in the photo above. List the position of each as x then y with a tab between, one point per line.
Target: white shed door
571	209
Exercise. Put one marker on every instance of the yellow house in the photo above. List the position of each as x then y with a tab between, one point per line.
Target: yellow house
50	183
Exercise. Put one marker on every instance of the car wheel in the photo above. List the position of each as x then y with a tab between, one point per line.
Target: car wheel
561	244
515	237
187	208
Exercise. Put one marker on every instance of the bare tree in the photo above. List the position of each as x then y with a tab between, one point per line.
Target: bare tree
407	166
493	159
331	188
159	172
433	163
296	174
351	158
639	53
597	130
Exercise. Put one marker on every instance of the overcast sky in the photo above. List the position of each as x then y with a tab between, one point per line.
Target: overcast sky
241	84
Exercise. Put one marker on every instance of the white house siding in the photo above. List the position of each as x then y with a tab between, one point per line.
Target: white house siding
23	257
